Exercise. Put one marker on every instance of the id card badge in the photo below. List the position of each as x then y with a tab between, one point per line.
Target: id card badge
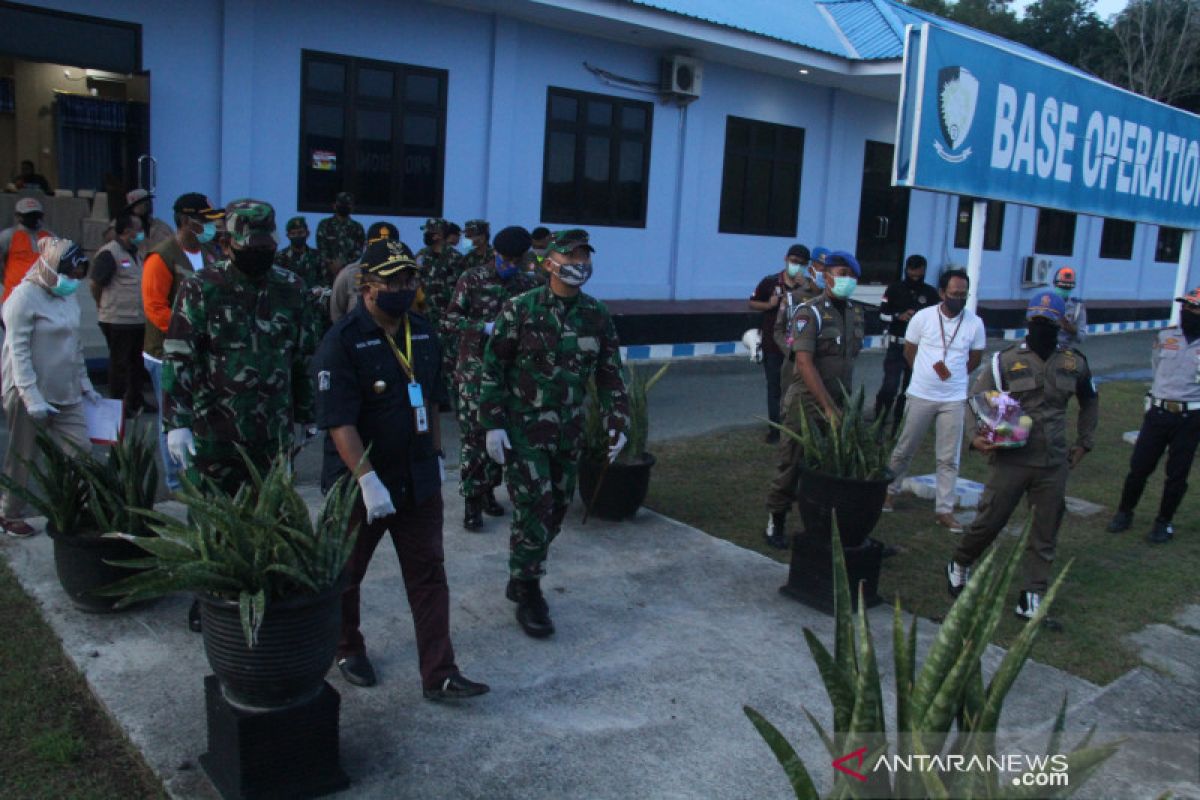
421	418
415	396
416	399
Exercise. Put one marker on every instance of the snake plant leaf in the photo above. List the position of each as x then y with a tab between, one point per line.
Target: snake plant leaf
843	642
1060	723
902	665
164	548
830	747
295	574
785	754
251	609
1081	765
868	697
935	789
838	685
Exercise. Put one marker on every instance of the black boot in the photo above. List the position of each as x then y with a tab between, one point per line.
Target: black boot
533	614
490	506
473	514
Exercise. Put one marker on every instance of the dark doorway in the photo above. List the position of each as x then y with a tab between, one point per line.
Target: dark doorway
882	218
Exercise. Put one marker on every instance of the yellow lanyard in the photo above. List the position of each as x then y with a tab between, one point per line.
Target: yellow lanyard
405	360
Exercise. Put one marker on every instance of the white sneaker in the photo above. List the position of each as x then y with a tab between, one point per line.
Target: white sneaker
1028	604
956	577
775	533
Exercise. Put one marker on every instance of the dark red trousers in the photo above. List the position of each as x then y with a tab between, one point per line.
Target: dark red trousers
417	535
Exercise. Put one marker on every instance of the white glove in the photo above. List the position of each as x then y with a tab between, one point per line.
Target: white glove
92	396
376	497
616	447
181	445
497	443
488	327
40	410
441	469
311	432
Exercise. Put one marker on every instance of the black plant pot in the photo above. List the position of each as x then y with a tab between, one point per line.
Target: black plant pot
622	491
296	646
80	561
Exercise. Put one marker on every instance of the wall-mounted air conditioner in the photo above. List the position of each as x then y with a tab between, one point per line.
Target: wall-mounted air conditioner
1036	271
682	76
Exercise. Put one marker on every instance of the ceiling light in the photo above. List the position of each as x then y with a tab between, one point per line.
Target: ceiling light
803	71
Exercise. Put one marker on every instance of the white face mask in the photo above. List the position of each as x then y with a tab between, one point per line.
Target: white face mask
793	269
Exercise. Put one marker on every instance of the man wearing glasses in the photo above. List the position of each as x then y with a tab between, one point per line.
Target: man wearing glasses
942	345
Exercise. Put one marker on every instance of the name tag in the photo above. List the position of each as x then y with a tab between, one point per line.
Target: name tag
367	343
420	337
126	264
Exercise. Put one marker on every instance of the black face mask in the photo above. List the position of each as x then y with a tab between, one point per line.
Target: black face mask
31	221
298	241
253	262
396	303
1042	337
914	282
955	305
1190	324
343	210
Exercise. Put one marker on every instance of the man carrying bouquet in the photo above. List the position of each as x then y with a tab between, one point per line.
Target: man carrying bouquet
1042	377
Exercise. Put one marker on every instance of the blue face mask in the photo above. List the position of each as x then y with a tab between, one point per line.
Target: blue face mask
843	287
463	247
819	278
138	238
504	269
207	235
1064	293
65	286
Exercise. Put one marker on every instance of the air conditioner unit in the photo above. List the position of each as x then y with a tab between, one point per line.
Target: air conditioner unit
681	76
1036	271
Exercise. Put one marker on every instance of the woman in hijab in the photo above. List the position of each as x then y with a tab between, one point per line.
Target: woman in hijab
45	379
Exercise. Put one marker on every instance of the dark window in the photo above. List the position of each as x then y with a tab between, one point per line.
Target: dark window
1170	240
1116	239
597	161
1055	233
993	228
374	129
760	187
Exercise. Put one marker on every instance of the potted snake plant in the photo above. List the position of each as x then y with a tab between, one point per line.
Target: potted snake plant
616	491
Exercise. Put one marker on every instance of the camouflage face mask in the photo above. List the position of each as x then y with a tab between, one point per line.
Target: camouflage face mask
575	274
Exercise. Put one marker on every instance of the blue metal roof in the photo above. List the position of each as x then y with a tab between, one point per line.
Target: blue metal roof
870	32
793	21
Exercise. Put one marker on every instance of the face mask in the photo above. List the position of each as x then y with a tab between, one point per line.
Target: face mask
1062	292
208	234
914	280
844	286
463	247
396	303
792	269
298	241
253	262
138	238
955	305
31	221
65	286
575	274
818	278
1190	323
1042	337
342	210
505	269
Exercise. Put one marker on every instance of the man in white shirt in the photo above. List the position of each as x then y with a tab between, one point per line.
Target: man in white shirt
943	345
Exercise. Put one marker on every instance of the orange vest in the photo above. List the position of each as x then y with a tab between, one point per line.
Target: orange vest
21	255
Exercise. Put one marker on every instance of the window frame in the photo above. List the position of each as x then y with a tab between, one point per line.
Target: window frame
1107	248
993	228
1177	233
581	128
1066	251
350	104
748	153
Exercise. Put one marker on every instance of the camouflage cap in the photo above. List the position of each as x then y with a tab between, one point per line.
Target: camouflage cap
566	241
474	227
382	259
296	223
343	199
250	223
435	225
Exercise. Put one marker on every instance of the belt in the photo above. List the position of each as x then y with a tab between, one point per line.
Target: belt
1174	406
895	339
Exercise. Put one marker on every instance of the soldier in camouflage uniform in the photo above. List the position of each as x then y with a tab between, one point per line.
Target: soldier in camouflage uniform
470	318
340	239
306	262
235	365
442	266
545	346
479	231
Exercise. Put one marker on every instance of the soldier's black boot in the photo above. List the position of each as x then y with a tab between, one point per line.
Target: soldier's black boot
473	514
490	505
533	615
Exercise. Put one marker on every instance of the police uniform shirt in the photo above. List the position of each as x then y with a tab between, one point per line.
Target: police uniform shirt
360	382
901	297
833	332
1176	365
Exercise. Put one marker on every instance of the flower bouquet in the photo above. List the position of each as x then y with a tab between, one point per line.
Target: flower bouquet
1001	418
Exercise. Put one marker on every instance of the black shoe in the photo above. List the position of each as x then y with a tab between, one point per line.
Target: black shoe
1120	521
776	533
473	514
1161	532
772	436
194	617
490	506
886	550
533	614
956	577
356	669
456	687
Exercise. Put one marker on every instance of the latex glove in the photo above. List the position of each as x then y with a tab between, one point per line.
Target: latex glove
488	327
617	446
376	497
92	396
497	442
181	446
40	410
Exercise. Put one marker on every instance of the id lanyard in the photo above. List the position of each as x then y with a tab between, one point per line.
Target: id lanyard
416	398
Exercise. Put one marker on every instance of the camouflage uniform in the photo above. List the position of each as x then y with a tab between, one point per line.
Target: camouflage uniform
536	368
477	300
307	264
340	239
235	365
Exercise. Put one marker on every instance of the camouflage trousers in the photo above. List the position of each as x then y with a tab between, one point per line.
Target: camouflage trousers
479	473
541	484
221	463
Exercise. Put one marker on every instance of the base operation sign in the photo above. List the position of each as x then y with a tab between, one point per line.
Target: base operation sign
982	121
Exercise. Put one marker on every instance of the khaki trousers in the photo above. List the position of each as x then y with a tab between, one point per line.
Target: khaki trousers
948	421
68	425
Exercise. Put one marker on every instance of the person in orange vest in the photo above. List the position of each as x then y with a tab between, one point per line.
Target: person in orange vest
19	244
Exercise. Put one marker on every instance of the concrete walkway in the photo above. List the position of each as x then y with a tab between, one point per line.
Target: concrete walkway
664	634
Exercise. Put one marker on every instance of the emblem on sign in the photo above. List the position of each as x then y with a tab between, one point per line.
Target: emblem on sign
958	93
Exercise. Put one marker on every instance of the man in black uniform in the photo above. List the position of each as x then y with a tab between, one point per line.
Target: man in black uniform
901	301
379	388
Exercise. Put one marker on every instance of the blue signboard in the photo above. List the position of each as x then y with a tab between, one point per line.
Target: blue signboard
982	121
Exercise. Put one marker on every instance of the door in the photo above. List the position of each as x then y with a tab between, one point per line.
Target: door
882	218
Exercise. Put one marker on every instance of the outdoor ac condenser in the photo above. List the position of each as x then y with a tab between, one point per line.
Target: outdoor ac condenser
681	76
1036	271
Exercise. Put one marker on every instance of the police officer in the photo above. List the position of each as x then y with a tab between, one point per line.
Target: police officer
470	319
901	301
378	393
340	239
827	336
1042	377
1171	423
1074	322
479	231
545	347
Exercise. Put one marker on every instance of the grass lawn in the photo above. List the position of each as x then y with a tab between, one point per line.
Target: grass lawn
55	739
1117	584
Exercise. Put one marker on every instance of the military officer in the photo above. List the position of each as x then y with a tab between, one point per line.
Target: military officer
545	347
441	265
479	231
1042	377
340	239
301	259
827	335
1171	423
470	318
1074	322
901	301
